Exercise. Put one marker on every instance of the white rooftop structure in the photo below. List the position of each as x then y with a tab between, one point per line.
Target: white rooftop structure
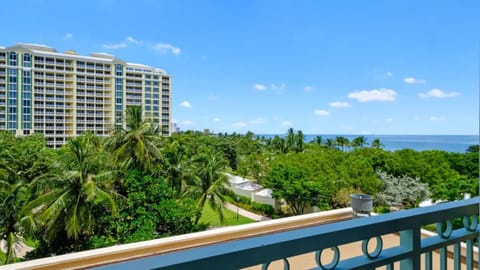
235	180
250	186
266	192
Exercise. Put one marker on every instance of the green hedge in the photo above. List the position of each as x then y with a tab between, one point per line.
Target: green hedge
247	204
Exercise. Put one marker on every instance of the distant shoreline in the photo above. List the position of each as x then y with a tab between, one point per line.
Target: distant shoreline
449	143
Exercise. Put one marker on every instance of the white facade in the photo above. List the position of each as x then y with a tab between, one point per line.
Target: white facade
63	94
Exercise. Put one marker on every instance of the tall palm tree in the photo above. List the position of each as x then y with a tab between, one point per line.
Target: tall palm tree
290	140
329	143
279	145
15	222
22	160
318	140
343	142
299	142
376	143
207	183
359	142
83	182
135	146
175	165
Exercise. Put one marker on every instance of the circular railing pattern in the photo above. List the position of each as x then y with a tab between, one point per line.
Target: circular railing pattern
448	229
470	226
333	263
378	248
286	265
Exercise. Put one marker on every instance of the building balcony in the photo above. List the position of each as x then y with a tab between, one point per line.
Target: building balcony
326	240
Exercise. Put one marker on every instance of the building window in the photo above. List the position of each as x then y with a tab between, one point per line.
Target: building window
118	70
13	59
27	58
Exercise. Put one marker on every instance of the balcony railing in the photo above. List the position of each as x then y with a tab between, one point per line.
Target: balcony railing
302	243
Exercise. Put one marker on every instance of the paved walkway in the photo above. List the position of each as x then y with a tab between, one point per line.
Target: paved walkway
245	213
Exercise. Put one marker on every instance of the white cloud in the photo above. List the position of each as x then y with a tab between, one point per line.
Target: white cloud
388	120
216	120
389	74
239	125
274	87
412	80
417	118
339	104
115	46
382	94
167	48
257	121
132	40
174	120
68	36
321	113
188	123
436	118
437	93
259	87
129	40
286	123
308	88
278	87
186	104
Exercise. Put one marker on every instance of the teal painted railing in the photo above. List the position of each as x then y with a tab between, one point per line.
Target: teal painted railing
412	252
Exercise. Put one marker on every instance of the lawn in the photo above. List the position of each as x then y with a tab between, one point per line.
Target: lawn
211	217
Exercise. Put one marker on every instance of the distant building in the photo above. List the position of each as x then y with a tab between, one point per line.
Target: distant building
63	94
255	192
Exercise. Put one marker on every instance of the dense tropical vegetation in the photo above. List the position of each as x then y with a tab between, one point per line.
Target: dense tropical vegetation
137	185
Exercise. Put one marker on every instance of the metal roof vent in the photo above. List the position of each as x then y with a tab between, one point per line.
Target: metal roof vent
362	205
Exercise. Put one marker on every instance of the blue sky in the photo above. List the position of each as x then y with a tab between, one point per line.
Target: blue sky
323	67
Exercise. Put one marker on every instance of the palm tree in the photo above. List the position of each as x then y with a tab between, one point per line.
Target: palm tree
290	139
22	160
135	146
14	221
299	142
318	140
279	145
359	142
207	183
329	143
175	165
377	144
343	142
83	182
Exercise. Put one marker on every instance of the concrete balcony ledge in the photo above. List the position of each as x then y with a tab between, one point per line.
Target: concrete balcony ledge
115	254
298	243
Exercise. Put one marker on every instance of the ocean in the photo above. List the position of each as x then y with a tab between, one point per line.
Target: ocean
449	143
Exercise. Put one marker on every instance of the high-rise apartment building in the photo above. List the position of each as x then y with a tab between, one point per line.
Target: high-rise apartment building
63	94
